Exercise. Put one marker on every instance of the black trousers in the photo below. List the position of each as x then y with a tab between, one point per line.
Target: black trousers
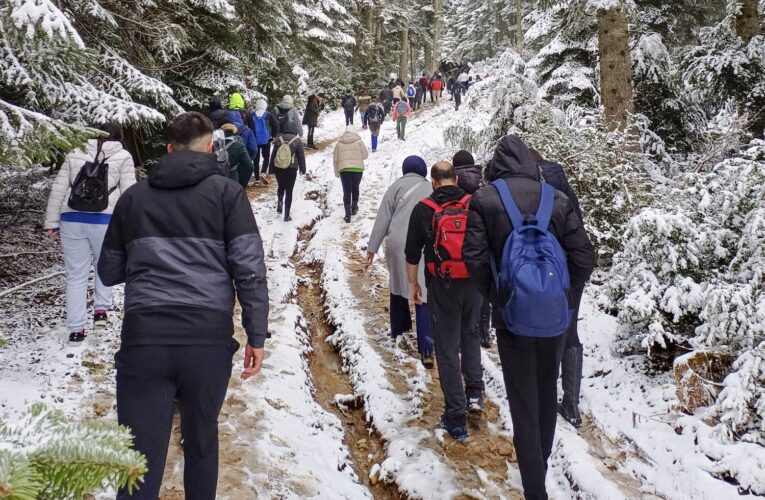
348	117
264	151
572	336
530	367
457	98
454	308
149	379
285	180
351	182
310	135
484	320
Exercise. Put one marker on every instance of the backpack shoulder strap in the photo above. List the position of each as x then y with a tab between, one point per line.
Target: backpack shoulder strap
292	140
546	203
507	200
429	202
465	200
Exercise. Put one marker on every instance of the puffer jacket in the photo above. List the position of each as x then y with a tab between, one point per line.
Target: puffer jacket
350	152
470	177
399	93
121	176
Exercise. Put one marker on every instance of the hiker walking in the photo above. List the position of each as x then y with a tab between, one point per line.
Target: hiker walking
411	93
81	201
437	226
531	340
419	94
470	178
386	98
287	119
436	87
364	101
349	156
399	94
348	103
287	159
375	118
238	115
391	225
311	116
186	245
401	113
265	127
571	365
239	162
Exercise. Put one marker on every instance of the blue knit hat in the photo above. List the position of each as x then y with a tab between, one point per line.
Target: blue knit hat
416	165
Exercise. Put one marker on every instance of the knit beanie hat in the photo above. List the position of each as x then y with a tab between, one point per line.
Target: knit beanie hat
287	99
462	158
415	165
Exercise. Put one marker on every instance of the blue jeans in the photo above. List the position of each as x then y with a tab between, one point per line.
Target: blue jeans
374	142
363	118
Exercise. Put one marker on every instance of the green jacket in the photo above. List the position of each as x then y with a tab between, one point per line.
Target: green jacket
238	158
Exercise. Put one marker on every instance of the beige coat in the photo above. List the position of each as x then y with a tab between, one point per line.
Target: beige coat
399	92
350	152
121	176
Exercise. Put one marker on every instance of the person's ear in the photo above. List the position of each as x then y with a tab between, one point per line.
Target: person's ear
211	147
169	148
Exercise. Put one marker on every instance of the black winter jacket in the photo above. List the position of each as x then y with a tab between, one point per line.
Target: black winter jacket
298	153
554	175
184	242
386	95
489	225
470	177
312	110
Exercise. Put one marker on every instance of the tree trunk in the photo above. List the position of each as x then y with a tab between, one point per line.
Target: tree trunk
747	23
428	58
519	25
438	12
615	81
403	53
412	74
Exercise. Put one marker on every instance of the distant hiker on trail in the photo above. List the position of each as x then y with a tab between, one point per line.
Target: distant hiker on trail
287	159
391	225
375	118
386	99
311	116
364	101
401	113
411	92
287	118
237	114
571	366
184	243
419	95
437	226
470	178
216	112
349	156
457	95
349	106
240	164
399	94
79	209
436	87
531	340
265	127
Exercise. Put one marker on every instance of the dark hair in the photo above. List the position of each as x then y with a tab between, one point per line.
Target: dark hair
114	131
536	155
188	127
442	171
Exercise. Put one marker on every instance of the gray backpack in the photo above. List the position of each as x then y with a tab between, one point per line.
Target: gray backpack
284	157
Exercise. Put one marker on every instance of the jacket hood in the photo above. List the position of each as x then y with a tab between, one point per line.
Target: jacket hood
260	106
182	169
447	193
109	148
285	106
512	158
236	101
350	137
215	103
469	177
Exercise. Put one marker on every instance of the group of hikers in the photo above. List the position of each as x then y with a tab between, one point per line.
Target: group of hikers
472	247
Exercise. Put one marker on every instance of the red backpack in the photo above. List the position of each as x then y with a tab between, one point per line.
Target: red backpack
449	226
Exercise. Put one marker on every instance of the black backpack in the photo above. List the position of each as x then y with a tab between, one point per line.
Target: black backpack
375	115
283	117
90	189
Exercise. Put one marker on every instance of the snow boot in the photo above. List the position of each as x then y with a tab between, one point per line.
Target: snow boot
571	374
100	320
76	338
279	207
457	430
354	209
347	217
287	217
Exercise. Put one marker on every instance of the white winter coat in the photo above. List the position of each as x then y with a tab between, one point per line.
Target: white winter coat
350	152
121	175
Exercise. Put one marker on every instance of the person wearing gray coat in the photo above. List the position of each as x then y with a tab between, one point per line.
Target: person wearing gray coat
391	225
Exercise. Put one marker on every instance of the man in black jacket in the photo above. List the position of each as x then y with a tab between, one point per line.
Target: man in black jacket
311	116
183	243
530	365
453	304
571	366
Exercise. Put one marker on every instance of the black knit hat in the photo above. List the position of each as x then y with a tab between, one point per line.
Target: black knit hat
462	158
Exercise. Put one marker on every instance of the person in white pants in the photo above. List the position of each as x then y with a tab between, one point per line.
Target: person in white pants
82	233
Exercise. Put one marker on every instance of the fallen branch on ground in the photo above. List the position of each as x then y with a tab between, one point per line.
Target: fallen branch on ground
23	285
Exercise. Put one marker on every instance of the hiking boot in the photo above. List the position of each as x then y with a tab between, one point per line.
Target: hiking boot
100	320
354	209
347	217
287	218
475	405
427	361
487	341
279	207
76	338
458	432
571	378
264	179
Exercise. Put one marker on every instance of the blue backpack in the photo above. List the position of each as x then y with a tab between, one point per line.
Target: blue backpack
261	128
533	278
410	92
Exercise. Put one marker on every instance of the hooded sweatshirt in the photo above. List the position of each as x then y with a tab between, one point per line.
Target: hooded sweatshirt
489	226
350	153
287	119
184	243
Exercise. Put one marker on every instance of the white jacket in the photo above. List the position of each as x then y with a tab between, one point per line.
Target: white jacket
350	152
121	175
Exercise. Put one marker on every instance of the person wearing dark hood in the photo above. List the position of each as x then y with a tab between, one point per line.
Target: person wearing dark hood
216	113
348	102
437	226
386	99
239	161
311	116
571	366
470	178
530	364
186	245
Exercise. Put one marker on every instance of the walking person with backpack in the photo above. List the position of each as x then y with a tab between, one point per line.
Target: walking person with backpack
411	93
287	159
80	204
391	226
265	127
364	101
239	162
238	115
386	98
186	245
525	248
311	116
287	119
437	226
571	365
350	153
375	118
436	87
348	102
401	113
